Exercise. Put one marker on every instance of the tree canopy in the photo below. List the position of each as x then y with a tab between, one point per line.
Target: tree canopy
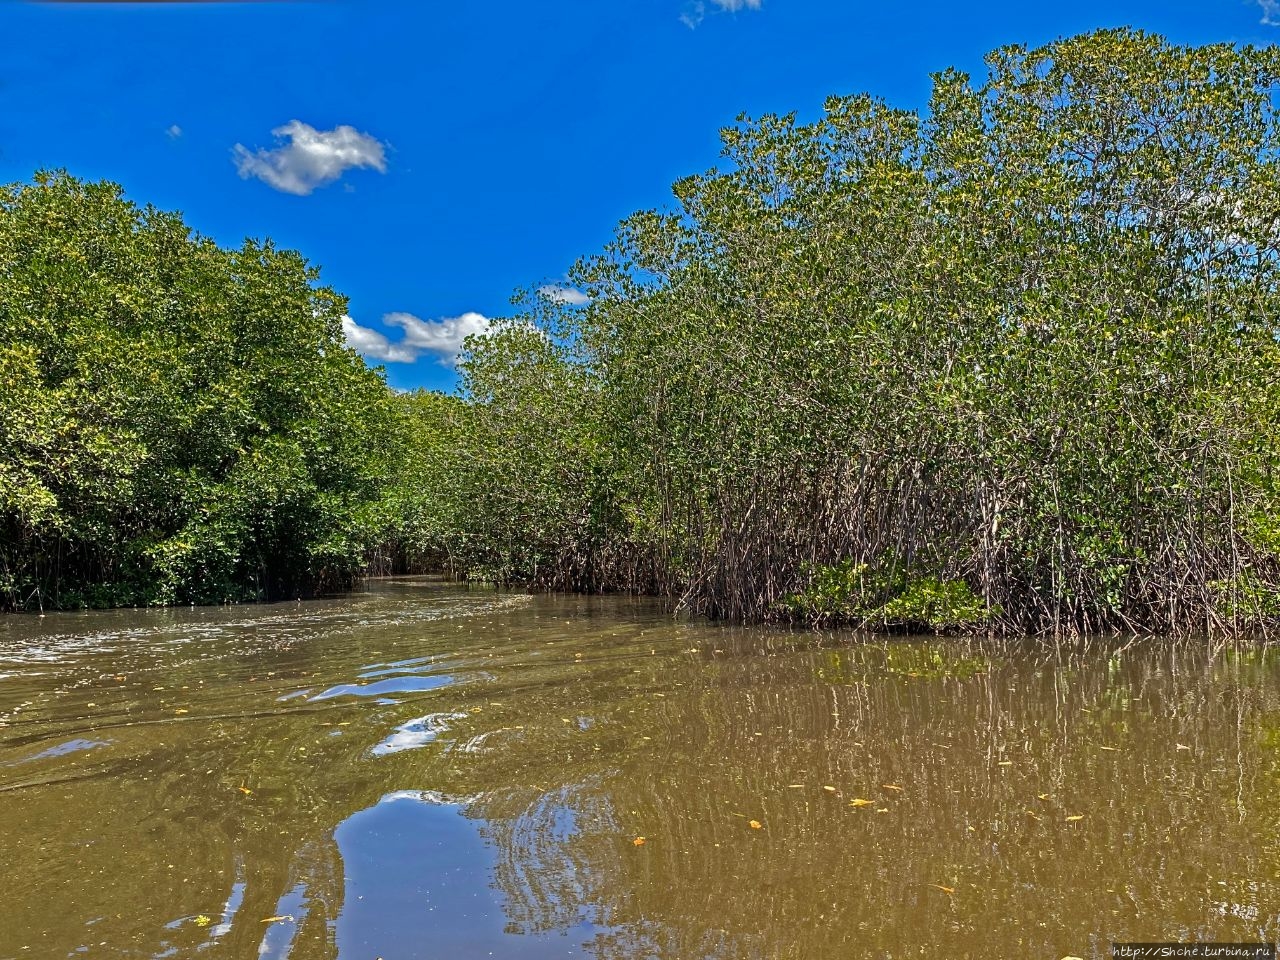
1008	363
179	422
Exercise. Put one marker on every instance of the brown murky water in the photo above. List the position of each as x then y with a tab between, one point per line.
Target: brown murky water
423	771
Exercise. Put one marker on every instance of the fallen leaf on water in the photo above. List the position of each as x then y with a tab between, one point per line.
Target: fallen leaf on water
1112	749
859	802
1005	763
1182	746
639	841
946	890
883	810
829	789
245	790
181	710
795	786
202	921
1042	796
755	825
279	918
1033	814
890	786
1075	817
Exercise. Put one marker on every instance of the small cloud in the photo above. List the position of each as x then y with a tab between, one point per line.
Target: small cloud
174	132
1270	12
694	14
696	11
371	343
559	294
311	158
443	338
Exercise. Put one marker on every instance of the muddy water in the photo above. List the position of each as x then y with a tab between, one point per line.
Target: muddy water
421	771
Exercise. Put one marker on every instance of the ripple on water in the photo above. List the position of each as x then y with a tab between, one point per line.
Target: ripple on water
403	684
412	665
71	746
416	733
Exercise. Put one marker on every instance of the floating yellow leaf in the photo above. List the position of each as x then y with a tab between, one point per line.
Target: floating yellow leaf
202	921
639	841
795	786
277	919
1073	818
1112	749
890	786
1005	763
181	710
1042	796
755	825
947	890
245	790
829	789
859	802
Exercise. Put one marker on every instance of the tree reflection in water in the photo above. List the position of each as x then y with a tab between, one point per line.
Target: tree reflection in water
570	728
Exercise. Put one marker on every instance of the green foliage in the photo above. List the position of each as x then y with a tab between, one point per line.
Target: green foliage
839	593
178	422
884	597
1025	341
934	604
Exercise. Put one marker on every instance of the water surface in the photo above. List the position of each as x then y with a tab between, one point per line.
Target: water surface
426	771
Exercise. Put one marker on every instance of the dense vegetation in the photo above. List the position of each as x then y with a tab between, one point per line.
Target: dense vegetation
1009	364
178	422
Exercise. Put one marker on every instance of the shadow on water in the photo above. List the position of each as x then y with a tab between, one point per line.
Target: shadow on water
426	771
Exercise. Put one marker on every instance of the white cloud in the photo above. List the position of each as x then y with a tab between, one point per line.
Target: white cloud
569	295
373	344
443	338
696	11
694	14
311	158
1270	12
174	132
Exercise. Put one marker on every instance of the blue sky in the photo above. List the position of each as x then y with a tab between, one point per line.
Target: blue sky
434	157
